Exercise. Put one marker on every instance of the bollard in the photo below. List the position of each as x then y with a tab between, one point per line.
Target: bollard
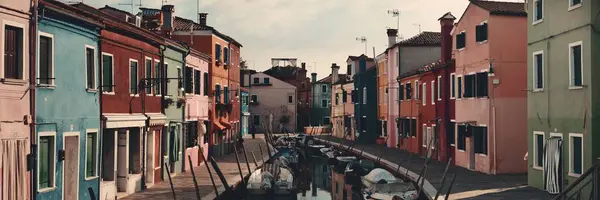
194	178
213	162
443	179
254	158
209	173
237	159
170	180
262	157
246	157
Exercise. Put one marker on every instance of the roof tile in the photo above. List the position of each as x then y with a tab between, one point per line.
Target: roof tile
502	8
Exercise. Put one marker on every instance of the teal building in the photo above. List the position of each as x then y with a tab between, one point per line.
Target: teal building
321	101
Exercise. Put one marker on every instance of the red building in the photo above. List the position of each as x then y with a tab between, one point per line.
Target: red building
132	121
431	131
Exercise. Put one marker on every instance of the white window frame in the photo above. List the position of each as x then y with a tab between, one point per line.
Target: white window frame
424	136
416	95
146	58
324	88
364	95
432	92
432	133
406	93
535	147
535	13
465	32
53	187
156	76
113	73
571	136
452	86
439	87
573	7
95	84
571	72
535	77
387	95
4	23
52	66
137	75
424	92
459	96
96	174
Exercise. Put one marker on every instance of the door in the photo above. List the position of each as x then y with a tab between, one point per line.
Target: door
71	167
552	165
157	164
150	157
122	159
471	151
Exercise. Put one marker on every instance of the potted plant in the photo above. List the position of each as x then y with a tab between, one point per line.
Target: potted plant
168	102
180	102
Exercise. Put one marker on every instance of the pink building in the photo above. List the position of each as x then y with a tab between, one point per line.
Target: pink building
196	110
15	93
491	78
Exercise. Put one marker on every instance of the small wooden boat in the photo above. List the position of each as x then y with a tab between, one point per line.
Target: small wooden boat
260	182
381	184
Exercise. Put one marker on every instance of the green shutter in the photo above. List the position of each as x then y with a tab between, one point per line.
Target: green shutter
44	162
91	155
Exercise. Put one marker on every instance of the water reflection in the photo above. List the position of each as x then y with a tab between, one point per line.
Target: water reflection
314	180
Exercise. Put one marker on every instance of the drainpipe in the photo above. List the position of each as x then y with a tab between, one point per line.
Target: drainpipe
183	106
162	107
32	83
100	92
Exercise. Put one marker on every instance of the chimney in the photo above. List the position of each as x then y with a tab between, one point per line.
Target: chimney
313	77
304	65
334	73
362	64
202	18
392	35
447	23
168	14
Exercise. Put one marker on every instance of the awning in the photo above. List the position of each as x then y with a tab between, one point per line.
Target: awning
218	125
157	118
226	124
124	120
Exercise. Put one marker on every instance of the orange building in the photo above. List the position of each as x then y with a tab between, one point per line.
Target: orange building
382	92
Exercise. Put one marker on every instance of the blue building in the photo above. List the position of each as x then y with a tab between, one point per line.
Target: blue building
67	104
245	113
365	103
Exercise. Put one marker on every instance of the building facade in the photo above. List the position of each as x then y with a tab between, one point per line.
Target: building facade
272	99
245	112
67	67
491	68
382	92
365	108
342	110
321	101
562	44
196	109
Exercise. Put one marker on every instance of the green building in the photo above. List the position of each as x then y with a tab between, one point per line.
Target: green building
321	101
562	37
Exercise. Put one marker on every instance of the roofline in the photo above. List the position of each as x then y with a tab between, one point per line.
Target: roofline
61	7
276	78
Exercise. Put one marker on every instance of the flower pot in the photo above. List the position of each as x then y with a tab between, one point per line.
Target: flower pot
380	140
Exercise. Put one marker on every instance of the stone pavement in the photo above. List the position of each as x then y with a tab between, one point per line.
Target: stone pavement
467	185
184	184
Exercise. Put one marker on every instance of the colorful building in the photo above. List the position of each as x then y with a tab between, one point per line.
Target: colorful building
245	111
382	92
342	107
410	112
403	57
365	108
321	100
491	107
70	127
16	126
562	56
353	69
270	96
131	117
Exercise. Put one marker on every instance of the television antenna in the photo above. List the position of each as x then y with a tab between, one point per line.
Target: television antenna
418	25
363	39
395	13
132	4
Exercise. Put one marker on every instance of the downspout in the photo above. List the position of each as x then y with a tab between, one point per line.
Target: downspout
492	115
162	107
446	100
100	92
184	107
32	84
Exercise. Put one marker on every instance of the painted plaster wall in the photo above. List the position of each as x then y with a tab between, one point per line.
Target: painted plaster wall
337	111
428	115
173	58
77	113
121	101
273	99
416	57
558	109
12	106
349	109
318	112
409	109
196	108
245	119
368	80
392	85
382	81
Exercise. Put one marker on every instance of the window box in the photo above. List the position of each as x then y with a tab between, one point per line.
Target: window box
180	102
168	102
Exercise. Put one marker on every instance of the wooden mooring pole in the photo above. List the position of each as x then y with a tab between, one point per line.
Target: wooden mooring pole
194	178
170	180
212	180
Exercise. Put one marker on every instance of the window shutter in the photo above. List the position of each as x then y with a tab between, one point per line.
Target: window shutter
196	82
90	156
44	162
206	86
226	94
401	93
484	30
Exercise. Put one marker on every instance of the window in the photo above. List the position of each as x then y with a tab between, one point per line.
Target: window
255	80
459	87
13	52
575	64
538	70
425	136
432	92
91	156
349	70
324	88
575	153
46	59
197	82
323	103
326	121
290	99
148	74
401	92
363	123
266	80
46	160
386	96
189	80
470	85
452	86
434	137
574	4
344	96
439	88
408	91
217	93
364	95
538	149
424	92
90	64
481	32
337	98
159	74
254	98
225	55
256	119
206	85
450	133
133	76
107	73
217	52
538	11
416	96
461	40
174	143
482	84
461	137
480	138
226	95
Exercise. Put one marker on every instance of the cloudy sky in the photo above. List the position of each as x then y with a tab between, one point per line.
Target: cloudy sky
318	32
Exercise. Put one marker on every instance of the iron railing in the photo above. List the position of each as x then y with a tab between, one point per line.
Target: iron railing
584	187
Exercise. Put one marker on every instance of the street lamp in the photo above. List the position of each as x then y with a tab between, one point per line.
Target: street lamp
363	39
